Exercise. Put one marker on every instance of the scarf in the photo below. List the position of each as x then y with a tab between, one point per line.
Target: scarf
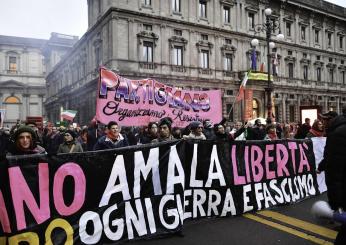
273	136
316	133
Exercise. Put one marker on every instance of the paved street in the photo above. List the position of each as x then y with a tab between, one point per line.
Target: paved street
283	225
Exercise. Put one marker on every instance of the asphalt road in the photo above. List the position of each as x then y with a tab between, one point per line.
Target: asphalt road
292	224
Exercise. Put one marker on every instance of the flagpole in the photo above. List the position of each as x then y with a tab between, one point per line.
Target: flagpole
235	99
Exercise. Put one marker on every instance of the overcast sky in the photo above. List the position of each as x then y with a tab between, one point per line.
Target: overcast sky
38	18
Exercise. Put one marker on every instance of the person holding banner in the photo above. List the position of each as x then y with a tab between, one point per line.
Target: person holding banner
113	139
165	130
25	142
196	131
70	144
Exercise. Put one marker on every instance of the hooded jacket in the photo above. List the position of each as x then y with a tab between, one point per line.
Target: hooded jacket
335	162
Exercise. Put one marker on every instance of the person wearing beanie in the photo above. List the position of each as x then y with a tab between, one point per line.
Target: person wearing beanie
208	130
70	144
113	139
196	128
24	142
165	130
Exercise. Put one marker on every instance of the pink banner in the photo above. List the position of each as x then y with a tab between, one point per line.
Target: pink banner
138	102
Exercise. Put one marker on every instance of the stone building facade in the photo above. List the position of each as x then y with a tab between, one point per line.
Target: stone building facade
23	68
205	44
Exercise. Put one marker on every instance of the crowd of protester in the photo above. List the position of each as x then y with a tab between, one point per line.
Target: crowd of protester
28	139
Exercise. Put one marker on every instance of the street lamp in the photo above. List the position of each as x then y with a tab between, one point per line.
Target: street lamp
268	27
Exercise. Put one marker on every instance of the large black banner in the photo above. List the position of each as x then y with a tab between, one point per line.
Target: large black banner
148	190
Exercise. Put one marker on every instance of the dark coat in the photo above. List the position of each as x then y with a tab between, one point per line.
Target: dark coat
104	143
335	162
303	131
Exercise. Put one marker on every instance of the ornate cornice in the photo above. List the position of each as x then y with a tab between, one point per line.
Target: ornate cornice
318	63
291	59
204	44
148	35
177	40
305	61
228	48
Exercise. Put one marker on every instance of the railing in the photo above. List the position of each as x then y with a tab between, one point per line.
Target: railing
148	65
177	68
205	71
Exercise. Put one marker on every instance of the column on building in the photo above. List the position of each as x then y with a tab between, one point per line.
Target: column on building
326	104
338	105
25	105
283	104
297	112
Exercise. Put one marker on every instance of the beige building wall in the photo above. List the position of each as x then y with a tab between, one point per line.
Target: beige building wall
120	30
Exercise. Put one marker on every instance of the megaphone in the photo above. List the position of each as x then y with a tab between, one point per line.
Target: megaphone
322	210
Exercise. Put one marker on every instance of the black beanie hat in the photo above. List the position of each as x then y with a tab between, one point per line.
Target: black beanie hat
71	132
23	129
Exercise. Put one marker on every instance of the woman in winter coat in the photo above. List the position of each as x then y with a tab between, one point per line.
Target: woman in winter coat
316	130
70	144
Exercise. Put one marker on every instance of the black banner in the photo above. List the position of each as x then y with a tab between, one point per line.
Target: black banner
148	190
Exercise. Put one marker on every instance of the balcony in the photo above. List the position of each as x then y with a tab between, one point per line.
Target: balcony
176	68
205	71
147	65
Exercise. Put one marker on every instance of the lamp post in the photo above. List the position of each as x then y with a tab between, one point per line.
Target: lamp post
268	27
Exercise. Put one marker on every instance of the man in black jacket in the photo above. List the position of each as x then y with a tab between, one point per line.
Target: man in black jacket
334	156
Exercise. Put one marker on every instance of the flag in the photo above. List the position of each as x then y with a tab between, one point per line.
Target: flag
242	87
2	117
275	64
253	60
68	114
262	67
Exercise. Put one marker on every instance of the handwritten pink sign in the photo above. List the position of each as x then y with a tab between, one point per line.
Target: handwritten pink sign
138	102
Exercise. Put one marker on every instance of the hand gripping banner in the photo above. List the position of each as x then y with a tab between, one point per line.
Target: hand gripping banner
149	190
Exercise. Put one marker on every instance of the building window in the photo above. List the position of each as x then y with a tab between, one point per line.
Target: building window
147	2
288	29
290	70
331	75
302	33
178	32
148	52
228	62
204	59
329	39
229	92
98	56
318	74
226	14
178	56
176	5
289	52
305	55
341	42
305	72
291	113
229	112
202	9
12	63
318	57
147	27
343	77
204	37
228	41
255	108
251	20
317	34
